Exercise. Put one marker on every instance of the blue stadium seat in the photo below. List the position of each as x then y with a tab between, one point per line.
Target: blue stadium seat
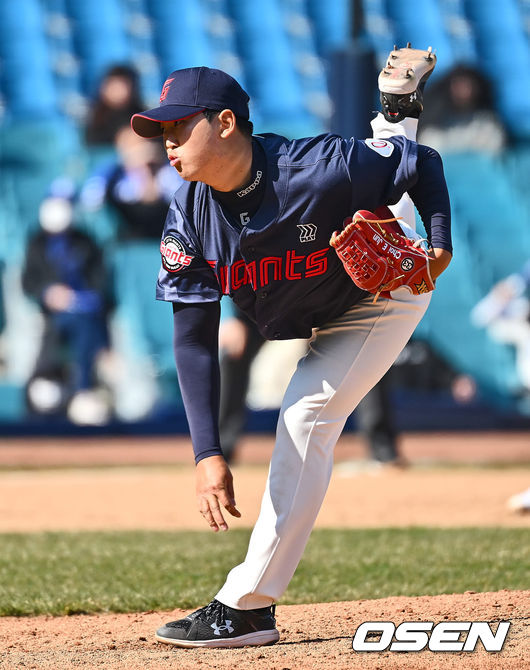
308	66
12	402
448	327
460	31
25	76
65	65
380	29
272	81
26	176
504	56
55	6
18	20
516	162
279	52
149	320
483	193
332	24
181	39
99	37
139	31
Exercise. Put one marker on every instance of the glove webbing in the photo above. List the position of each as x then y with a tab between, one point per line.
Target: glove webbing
336	241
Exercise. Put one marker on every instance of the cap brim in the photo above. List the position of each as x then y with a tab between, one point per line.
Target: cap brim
147	124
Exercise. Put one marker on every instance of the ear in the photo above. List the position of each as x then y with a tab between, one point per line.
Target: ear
227	123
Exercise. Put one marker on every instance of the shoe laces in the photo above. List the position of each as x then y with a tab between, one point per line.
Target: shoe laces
219	610
216	608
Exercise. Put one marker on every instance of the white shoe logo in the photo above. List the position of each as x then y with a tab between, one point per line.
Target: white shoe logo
227	627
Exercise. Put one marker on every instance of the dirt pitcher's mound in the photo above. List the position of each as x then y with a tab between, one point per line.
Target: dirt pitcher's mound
312	637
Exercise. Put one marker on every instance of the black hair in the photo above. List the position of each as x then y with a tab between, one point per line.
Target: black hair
103	122
244	125
439	104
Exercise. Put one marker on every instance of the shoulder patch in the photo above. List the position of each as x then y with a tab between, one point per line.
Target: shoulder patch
174	256
382	147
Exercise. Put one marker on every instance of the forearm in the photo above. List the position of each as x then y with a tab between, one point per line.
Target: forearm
196	354
431	198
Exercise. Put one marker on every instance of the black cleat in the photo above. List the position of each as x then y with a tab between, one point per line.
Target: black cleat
218	625
402	80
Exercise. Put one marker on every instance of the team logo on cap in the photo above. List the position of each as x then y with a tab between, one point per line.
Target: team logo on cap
165	89
174	256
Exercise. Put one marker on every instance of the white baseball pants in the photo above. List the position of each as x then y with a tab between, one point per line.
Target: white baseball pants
346	358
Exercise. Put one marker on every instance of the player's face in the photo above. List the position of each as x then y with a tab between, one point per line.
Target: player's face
191	147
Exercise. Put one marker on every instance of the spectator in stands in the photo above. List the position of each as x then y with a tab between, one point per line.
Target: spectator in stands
65	273
118	97
421	368
459	114
505	313
139	186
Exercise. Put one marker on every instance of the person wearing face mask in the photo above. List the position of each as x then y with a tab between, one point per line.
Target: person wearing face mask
65	274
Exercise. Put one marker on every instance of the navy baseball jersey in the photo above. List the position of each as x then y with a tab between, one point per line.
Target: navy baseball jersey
278	265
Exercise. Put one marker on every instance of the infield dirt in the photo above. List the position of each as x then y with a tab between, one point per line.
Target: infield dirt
312	636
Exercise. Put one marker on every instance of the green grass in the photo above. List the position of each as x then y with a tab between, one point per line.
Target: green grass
68	573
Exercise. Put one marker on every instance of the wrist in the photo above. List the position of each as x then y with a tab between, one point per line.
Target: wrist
210	459
439	261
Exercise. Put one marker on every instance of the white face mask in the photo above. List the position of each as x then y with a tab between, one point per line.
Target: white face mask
55	215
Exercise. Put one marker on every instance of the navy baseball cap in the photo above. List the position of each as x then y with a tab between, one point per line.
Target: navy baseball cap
190	91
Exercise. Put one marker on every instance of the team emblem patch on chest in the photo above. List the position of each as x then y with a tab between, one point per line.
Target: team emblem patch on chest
174	256
308	232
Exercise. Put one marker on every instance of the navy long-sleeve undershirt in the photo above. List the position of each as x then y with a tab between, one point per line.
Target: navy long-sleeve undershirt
432	199
195	342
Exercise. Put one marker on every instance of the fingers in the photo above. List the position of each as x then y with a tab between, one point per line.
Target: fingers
212	513
230	502
215	492
211	509
226	498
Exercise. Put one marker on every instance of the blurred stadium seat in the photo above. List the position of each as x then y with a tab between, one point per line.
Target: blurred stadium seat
504	52
99	38
52	55
135	266
26	78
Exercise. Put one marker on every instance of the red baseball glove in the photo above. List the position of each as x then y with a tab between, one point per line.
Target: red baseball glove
379	257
